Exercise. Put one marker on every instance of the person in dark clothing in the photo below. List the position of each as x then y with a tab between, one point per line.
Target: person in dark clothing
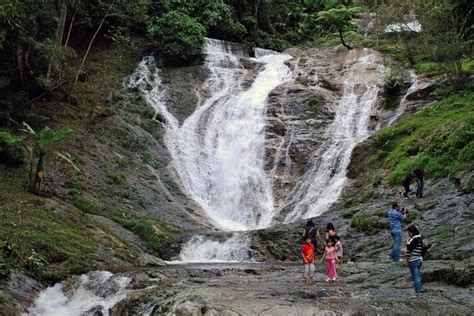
251	50
406	184
330	232
418	172
310	231
415	260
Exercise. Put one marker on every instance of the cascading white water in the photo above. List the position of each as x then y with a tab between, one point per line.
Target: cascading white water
202	249
322	184
97	291
218	152
403	102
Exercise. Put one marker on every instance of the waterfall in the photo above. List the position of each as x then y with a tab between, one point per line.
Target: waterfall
403	102
94	293
322	184
218	151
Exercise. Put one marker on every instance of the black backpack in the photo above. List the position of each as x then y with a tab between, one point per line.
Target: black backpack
307	234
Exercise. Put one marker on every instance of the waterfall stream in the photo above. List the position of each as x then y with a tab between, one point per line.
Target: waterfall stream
322	184
218	152
94	293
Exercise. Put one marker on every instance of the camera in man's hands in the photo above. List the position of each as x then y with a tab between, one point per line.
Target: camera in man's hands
404	210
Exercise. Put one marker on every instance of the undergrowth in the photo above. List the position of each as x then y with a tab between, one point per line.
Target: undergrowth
438	138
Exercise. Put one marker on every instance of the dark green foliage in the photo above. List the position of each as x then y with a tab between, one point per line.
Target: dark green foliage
47	137
4	270
216	16
445	40
12	149
339	19
179	36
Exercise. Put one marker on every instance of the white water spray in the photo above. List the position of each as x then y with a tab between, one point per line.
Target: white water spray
97	291
403	102
202	249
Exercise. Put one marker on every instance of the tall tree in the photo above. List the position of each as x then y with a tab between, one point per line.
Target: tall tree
340	19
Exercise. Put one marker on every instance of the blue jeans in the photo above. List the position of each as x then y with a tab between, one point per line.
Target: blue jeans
397	244
419	189
415	270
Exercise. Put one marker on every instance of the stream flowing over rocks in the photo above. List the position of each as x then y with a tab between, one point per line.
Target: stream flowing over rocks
247	150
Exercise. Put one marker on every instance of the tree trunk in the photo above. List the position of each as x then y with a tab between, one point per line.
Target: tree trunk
59	32
263	18
70	28
342	40
90	45
19	64
62	22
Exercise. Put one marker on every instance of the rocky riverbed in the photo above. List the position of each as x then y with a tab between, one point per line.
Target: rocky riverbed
362	288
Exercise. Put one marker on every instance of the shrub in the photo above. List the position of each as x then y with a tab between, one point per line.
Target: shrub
304	81
429	68
392	81
366	223
86	206
4	270
12	149
144	229
178	36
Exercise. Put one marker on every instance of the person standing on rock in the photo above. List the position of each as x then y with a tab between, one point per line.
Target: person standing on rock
415	260
330	258
395	218
307	252
406	184
419	173
330	231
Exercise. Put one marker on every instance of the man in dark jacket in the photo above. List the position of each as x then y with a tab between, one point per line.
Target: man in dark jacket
406	184
418	172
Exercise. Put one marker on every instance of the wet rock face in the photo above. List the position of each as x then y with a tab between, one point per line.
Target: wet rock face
20	291
300	111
